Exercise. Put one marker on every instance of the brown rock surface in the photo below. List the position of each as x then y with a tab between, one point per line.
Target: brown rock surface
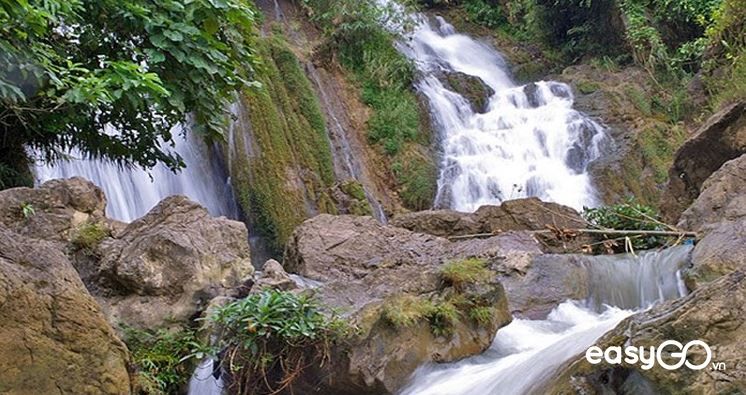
720	139
53	336
175	259
364	264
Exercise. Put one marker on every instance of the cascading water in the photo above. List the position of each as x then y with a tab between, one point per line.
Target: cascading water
527	353
527	142
131	192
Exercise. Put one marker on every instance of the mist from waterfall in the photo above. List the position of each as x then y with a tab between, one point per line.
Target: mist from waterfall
528	141
526	354
132	191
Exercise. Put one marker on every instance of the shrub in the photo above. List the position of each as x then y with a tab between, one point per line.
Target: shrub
627	216
270	337
163	358
466	271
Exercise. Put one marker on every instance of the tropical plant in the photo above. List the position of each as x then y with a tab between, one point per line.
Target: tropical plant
270	337
111	78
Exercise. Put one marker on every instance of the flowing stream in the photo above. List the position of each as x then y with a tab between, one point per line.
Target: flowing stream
131	192
528	141
527	353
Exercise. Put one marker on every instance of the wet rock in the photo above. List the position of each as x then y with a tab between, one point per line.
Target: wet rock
53	336
176	258
714	313
363	265
471	88
512	215
720	139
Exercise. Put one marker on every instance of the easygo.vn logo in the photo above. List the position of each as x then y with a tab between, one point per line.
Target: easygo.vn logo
669	355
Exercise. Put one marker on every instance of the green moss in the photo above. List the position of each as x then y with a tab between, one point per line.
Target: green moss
359	204
586	87
88	236
291	166
466	271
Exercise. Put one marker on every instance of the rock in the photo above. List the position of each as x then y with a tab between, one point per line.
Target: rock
721	250
53	336
176	258
722	198
53	210
720	139
364	265
471	88
512	215
714	313
273	276
542	282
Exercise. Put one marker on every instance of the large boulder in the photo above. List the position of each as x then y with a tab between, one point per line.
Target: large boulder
512	215
722	198
365	266
719	214
53	336
714	313
721	250
720	139
54	210
174	259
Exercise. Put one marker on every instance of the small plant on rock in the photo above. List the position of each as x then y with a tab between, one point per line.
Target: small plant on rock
88	236
406	310
269	338
462	272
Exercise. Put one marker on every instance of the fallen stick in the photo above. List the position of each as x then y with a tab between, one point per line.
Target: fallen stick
591	231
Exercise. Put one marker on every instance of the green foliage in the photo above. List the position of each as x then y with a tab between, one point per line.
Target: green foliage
482	315
270	337
627	216
460	273
726	65
442	317
68	68
356	35
405	311
88	236
163	359
417	175
484	13
27	210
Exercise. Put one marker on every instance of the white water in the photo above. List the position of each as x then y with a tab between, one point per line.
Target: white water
203	381
131	192
528	142
527	353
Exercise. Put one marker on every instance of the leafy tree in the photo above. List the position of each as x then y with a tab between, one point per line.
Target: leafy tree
110	78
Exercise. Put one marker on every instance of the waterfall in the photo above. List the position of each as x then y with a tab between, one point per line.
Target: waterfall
203	380
132	191
528	141
526	353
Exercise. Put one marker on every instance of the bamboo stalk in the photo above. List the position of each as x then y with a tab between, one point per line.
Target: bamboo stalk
592	231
